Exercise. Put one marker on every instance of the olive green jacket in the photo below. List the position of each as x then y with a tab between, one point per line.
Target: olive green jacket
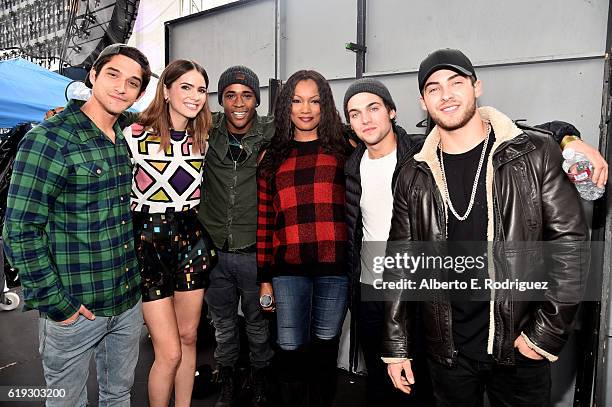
228	205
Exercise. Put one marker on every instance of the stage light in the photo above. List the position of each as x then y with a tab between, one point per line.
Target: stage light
71	32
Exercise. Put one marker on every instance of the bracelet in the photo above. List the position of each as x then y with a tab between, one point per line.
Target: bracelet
567	139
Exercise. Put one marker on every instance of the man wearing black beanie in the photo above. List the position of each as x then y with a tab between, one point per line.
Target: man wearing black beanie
368	85
228	210
370	110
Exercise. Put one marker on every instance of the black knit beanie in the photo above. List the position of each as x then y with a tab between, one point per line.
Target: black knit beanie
238	74
368	85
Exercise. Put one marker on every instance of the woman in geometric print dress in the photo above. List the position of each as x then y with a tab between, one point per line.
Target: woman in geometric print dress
168	146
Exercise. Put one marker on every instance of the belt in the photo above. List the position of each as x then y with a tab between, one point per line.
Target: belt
244	250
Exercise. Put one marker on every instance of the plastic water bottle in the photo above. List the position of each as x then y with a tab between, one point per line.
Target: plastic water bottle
580	170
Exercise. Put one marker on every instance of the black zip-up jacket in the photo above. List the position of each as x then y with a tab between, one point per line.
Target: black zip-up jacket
529	199
407	146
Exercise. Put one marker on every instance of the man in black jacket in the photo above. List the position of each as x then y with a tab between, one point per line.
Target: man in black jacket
478	177
370	110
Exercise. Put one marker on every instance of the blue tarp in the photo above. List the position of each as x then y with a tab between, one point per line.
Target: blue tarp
27	91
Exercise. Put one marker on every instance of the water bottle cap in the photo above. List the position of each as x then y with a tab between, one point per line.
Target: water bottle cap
568	153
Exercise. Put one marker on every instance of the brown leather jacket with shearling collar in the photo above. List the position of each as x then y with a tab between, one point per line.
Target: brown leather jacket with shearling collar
529	199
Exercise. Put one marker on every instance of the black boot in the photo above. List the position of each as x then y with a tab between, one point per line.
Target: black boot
260	379
227	395
293	393
324	371
292	371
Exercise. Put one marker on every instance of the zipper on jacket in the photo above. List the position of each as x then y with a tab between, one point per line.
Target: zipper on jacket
498	235
442	221
519	172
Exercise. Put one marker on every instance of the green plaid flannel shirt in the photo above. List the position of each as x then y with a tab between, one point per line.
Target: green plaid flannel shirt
68	226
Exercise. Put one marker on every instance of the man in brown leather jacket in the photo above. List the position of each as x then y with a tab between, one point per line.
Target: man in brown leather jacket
480	178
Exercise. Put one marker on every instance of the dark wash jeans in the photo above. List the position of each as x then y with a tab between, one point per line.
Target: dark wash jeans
527	384
232	279
379	388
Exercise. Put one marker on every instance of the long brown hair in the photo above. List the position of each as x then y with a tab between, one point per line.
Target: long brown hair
330	130
157	115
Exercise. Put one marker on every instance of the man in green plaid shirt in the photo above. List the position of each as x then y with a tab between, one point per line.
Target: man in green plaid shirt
68	230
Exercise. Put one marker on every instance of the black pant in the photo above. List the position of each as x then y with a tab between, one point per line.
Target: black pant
527	384
379	388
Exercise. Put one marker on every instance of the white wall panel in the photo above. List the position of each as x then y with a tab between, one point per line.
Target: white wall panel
569	91
314	34
242	35
401	33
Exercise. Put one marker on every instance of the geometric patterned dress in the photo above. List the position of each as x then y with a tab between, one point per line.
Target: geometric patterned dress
172	248
164	181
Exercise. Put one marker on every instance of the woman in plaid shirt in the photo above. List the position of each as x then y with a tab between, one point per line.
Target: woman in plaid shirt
301	236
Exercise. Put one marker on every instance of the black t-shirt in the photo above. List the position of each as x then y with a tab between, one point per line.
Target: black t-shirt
470	317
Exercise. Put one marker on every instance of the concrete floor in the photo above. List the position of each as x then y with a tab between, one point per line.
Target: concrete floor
20	364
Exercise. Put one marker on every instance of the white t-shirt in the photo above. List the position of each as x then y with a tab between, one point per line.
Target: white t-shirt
376	209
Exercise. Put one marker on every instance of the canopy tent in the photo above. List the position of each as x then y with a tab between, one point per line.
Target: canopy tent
27	91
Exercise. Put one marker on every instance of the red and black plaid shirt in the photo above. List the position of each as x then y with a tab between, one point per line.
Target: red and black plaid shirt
301	227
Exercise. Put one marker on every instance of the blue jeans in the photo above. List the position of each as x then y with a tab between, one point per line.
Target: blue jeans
309	305
234	278
67	349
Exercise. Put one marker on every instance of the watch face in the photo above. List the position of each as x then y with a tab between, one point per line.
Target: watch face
265	300
77	90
